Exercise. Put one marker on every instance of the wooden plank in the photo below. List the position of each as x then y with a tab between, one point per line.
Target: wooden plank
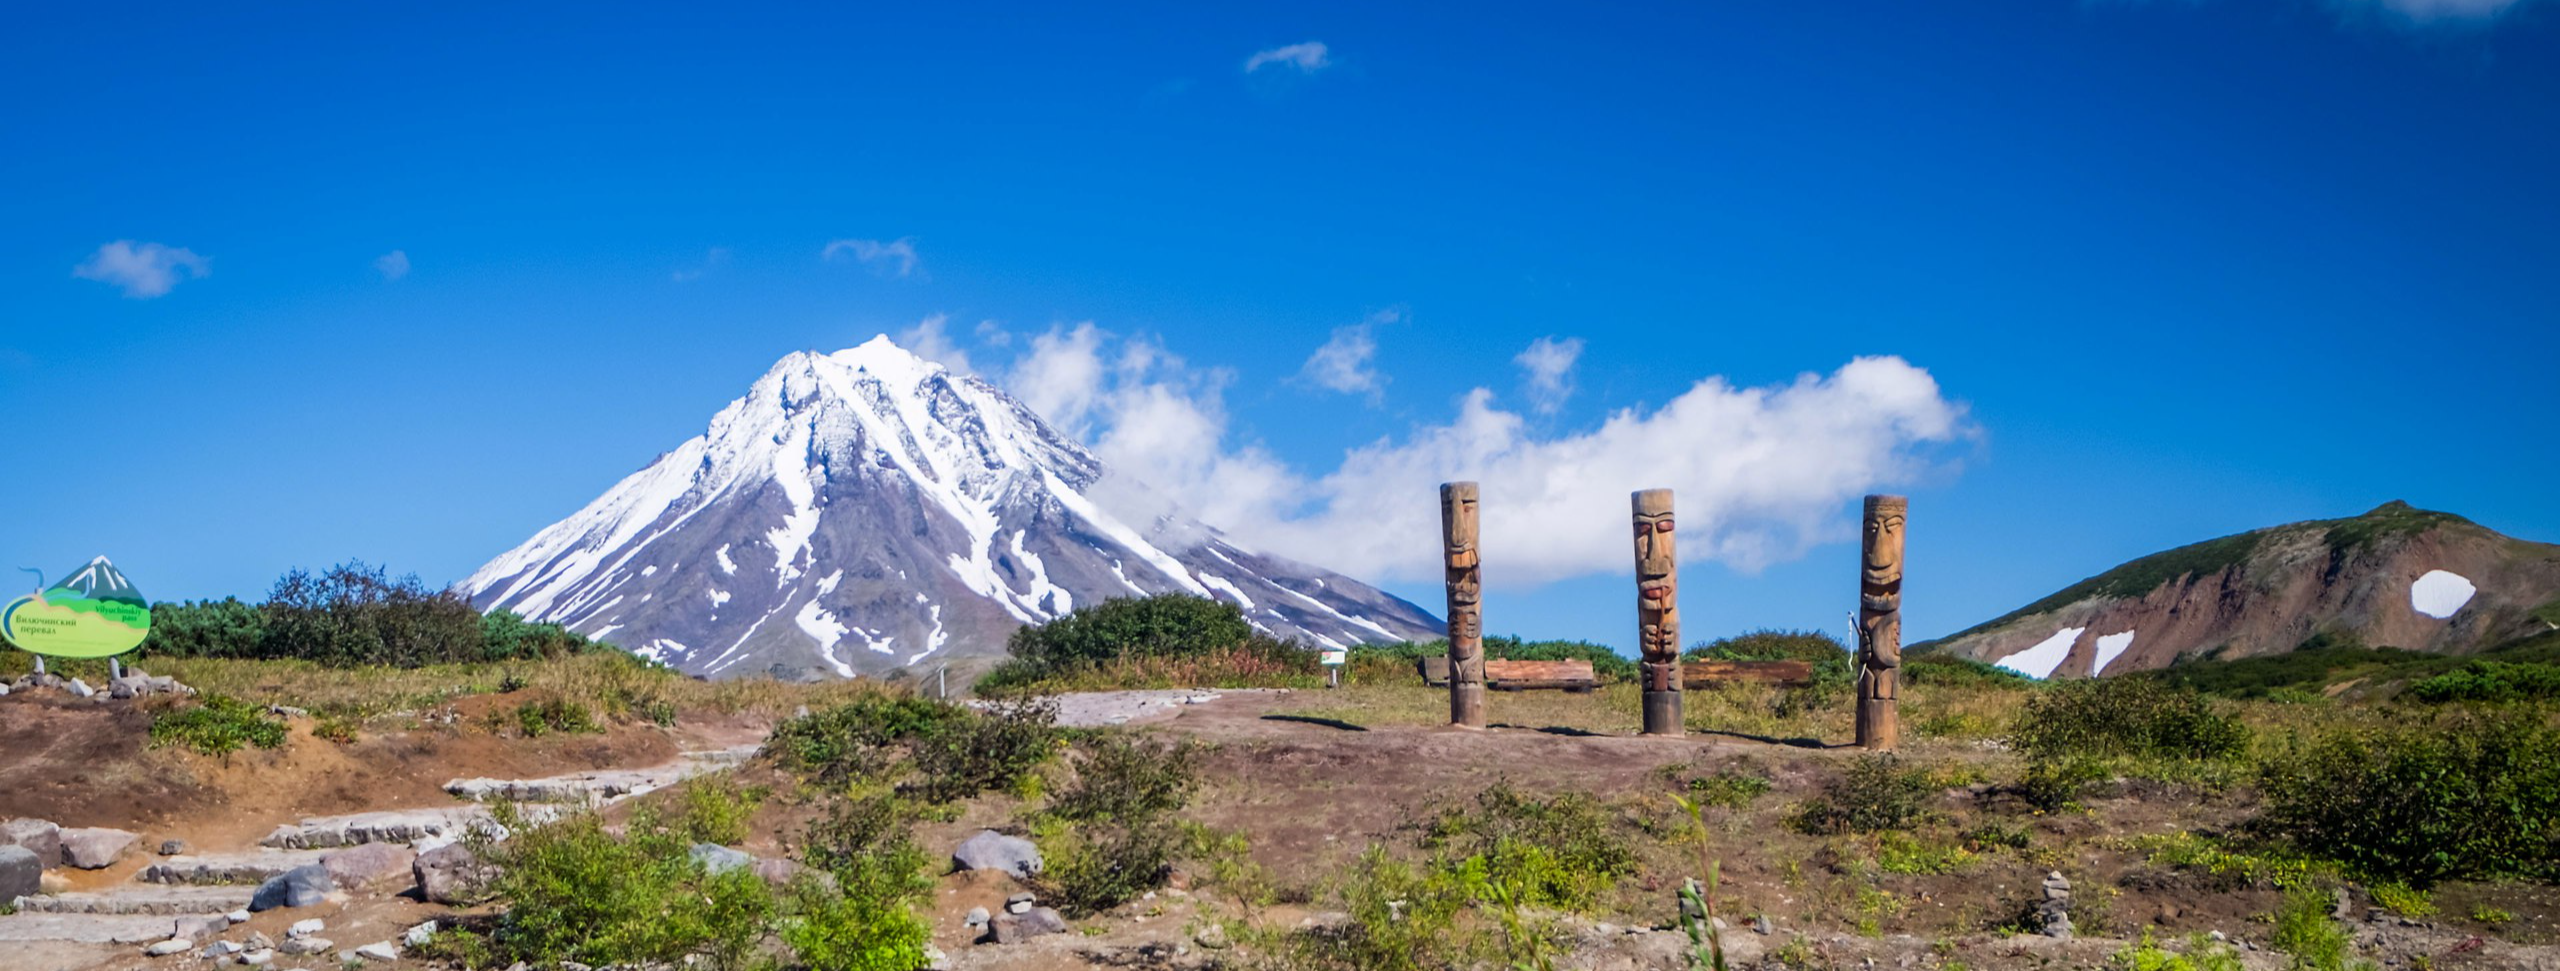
1539	675
1709	674
1435	670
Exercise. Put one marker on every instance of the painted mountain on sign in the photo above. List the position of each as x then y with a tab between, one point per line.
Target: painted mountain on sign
868	510
2394	577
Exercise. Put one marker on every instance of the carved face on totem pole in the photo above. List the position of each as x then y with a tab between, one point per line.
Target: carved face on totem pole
1880	587
1657	576
1465	579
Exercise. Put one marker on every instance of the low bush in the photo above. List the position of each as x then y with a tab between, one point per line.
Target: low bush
1125	629
2054	784
1090	869
997	748
1834	664
537	718
2462	795
352	615
1877	793
852	740
575	891
862	917
2486	680
217	726
2202	954
1120	838
1563	850
1119	777
716	810
2126	717
2304	929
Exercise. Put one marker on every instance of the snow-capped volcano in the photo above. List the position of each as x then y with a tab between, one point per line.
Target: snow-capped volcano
868	509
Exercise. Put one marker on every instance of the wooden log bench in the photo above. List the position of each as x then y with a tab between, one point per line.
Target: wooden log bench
1574	676
1712	674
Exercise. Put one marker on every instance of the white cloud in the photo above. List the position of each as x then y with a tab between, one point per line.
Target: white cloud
144	270
1308	58
714	257
896	258
392	265
1762	473
930	339
1549	363
1346	361
994	334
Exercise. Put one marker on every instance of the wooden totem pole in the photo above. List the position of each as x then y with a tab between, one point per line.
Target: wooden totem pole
1880	623
1658	611
1466	610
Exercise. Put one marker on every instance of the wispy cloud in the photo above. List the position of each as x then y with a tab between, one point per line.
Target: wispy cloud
894	258
143	270
1549	363
2444	14
1307	58
1347	361
1762	473
931	339
392	265
711	259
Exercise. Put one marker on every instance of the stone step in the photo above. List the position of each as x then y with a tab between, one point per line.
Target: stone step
227	868
83	928
393	826
143	900
600	787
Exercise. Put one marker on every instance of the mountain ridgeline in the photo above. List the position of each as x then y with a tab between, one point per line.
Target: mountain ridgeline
868	510
2394	577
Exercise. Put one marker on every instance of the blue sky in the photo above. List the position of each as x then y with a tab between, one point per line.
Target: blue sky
2186	268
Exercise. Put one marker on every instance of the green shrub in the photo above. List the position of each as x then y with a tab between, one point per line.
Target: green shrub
1403	917
852	740
1123	778
716	810
1161	626
992	749
576	892
2126	717
1726	788
534	718
948	752
2304	929
350	615
2202	954
217	726
2463	795
1878	793
1094	868
1562	851
1121	807
862	918
2055	784
2487	680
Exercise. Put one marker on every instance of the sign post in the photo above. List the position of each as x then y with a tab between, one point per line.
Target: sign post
93	612
1334	658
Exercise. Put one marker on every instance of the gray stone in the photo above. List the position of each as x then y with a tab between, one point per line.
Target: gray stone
95	849
935	960
81	688
1763	926
977	917
991	850
220	949
304	945
303	886
1212	937
21	874
1017	906
199	927
779	873
379	951
419	935
172	847
259	958
1036	922
138	900
451	875
128	687
237	917
305	928
166	948
40	837
260	942
372	866
716	858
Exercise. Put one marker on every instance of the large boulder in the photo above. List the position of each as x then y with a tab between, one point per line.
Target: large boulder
21	874
451	874
371	866
991	850
41	838
95	849
716	858
302	886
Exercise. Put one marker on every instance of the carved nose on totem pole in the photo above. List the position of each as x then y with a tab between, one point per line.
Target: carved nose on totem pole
1466	618
1658	611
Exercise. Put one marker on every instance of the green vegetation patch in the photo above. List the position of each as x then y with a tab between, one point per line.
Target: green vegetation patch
349	615
218	726
1878	793
2116	717
2394	518
2461	795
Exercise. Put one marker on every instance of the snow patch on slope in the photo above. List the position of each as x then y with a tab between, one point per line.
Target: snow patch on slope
2440	593
2110	646
2040	660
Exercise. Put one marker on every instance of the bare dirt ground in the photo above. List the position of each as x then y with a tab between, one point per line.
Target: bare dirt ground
1312	781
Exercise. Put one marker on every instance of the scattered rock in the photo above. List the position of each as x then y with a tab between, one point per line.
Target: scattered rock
221	949
172	847
779	872
95	849
935	960
1036	922
302	886
304	945
419	935
721	859
237	917
1763	926
41	838
991	850
261	942
379	951
1212	937
258	958
199	928
305	928
1019	903
81	689
977	918
168	947
451	874
2344	906
371	866
21	874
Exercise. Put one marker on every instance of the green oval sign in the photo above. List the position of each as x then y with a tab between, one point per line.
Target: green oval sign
94	612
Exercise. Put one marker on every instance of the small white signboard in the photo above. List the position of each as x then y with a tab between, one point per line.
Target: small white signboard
1337	657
